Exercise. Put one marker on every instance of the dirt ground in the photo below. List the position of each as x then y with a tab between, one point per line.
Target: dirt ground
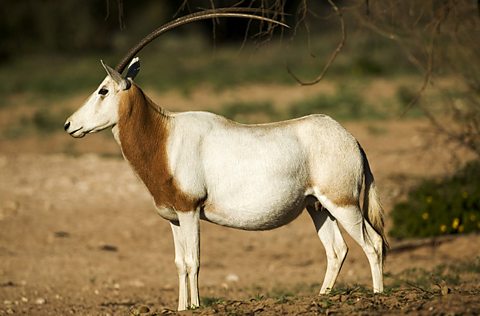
79	236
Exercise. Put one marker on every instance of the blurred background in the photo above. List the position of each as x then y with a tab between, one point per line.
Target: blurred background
390	61
402	75
50	52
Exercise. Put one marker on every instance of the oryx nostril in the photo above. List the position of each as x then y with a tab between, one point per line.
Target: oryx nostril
66	126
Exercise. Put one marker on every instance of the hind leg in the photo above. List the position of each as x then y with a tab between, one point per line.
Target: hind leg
353	221
335	247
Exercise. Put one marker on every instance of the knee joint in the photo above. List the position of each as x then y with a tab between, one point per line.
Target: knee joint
181	266
192	265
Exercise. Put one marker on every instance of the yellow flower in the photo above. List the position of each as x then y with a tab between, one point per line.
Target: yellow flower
460	229
429	200
425	216
455	223
443	228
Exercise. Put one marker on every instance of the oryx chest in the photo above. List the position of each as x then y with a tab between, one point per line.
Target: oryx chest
165	212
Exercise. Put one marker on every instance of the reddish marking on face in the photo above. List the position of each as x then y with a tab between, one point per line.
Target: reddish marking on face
143	135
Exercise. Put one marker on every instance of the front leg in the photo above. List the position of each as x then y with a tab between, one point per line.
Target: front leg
189	227
179	245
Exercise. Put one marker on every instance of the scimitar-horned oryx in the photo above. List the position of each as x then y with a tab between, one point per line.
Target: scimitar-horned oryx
199	165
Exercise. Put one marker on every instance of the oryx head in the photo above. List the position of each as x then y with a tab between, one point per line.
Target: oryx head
100	111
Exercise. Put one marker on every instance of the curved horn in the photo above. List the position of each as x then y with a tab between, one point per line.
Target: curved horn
193	17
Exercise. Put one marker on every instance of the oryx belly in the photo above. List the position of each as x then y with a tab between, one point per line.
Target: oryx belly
255	178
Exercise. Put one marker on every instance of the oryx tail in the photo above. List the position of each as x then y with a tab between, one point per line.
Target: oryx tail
372	206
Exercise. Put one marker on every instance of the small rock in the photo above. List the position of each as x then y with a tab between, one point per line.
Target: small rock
236	304
232	277
143	309
136	311
61	234
444	289
136	283
259	309
24	299
10	311
40	301
7	302
107	247
7	284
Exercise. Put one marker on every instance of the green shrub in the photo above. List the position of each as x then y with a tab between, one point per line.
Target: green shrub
436	207
367	66
211	301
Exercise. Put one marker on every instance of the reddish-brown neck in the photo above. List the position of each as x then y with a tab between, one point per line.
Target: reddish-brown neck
144	133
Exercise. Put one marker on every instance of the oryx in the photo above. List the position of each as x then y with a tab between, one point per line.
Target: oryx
199	165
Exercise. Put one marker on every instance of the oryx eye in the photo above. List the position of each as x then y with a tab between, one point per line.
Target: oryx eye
103	91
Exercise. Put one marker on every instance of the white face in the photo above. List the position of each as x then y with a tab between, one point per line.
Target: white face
99	112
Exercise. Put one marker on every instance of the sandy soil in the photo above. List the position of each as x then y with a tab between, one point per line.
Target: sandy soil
79	235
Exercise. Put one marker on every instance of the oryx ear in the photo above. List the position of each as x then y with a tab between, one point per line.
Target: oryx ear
123	83
133	68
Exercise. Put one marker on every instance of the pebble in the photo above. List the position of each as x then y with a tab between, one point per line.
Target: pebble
107	247
144	309
232	277
139	310
40	301
136	283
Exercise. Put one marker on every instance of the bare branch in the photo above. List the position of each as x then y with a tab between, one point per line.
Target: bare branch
182	7
107	7
333	55
121	14
441	17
